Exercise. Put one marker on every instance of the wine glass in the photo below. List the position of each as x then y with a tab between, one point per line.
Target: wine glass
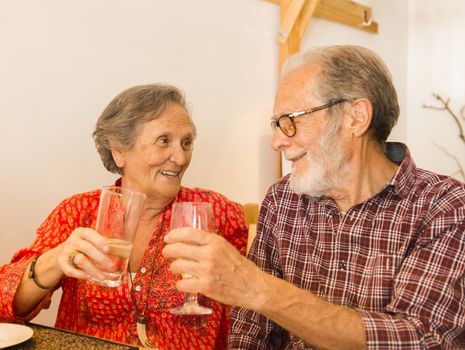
197	215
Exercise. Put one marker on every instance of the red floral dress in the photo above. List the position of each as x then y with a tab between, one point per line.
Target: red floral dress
111	313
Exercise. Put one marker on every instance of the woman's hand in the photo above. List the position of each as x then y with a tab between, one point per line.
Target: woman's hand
84	255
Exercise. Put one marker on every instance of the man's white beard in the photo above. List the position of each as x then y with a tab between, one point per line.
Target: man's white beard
312	182
326	168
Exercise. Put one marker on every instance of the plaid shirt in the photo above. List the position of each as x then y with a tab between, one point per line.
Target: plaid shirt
398	258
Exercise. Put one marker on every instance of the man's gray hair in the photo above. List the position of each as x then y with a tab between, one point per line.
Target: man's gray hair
352	72
119	123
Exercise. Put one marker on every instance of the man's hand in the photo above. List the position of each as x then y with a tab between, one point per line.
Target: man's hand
220	271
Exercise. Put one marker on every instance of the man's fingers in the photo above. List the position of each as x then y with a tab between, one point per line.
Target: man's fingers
184	251
189	285
188	235
190	267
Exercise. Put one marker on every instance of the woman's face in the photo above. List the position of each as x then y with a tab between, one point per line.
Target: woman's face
161	154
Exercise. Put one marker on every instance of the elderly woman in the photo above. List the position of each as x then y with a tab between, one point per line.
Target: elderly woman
146	135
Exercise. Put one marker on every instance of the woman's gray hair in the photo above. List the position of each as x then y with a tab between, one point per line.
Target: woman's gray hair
352	72
119	123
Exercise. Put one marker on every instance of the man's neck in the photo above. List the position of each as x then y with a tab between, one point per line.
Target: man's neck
367	172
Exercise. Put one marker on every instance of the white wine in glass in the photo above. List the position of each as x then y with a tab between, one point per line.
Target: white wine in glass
197	215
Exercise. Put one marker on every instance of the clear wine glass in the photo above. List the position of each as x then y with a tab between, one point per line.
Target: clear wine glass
197	215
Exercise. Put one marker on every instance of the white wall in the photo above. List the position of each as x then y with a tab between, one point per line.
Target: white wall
436	64
61	62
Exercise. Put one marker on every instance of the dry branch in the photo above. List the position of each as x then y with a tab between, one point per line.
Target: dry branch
444	106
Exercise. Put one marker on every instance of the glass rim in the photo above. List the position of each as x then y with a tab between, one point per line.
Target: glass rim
121	190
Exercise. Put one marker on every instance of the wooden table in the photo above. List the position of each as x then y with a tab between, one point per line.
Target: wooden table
57	339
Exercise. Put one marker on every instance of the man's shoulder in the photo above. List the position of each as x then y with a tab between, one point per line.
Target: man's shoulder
428	181
417	183
437	189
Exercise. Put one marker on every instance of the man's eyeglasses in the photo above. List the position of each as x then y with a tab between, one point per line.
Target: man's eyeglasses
286	121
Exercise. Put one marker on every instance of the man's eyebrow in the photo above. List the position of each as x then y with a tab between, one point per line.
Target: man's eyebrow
276	116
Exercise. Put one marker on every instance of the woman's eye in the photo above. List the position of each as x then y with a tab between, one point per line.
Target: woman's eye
162	141
187	144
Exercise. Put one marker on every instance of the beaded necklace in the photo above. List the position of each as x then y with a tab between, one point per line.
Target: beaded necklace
141	318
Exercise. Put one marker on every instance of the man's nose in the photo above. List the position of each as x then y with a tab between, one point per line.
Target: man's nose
279	140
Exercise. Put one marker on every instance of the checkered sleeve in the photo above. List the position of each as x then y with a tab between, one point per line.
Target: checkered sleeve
427	309
251	330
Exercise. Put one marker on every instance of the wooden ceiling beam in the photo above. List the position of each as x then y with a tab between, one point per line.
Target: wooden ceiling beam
347	12
342	11
287	23
308	12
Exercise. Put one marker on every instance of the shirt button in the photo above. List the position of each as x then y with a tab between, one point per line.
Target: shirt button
143	270
137	288
343	264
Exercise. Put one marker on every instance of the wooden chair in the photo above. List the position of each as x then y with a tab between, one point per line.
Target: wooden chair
251	218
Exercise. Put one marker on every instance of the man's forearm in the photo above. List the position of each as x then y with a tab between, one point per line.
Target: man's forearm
317	322
225	275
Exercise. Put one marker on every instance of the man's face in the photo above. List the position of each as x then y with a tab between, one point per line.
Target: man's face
315	150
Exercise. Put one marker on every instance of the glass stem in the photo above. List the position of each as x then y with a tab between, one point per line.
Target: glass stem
190	298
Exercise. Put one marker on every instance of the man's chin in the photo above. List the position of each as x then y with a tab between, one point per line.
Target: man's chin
302	185
298	184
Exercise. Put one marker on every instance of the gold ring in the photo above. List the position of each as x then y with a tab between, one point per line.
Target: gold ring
71	258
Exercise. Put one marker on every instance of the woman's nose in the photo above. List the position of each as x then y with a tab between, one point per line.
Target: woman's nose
179	156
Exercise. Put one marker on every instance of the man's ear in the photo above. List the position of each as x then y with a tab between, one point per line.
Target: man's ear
360	119
118	157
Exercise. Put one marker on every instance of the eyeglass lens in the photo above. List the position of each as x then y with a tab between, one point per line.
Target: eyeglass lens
286	125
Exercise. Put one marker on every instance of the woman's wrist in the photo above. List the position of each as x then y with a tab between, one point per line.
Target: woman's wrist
33	274
42	270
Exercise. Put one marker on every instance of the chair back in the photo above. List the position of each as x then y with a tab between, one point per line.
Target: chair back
251	218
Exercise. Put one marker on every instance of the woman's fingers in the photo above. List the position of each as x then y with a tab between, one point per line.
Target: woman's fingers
95	238
83	255
83	264
92	253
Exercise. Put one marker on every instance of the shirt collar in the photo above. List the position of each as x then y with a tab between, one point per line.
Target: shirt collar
404	177
118	182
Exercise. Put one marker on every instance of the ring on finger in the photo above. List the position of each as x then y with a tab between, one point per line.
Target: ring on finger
71	258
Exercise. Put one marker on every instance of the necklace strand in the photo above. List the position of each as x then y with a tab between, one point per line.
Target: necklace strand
141	319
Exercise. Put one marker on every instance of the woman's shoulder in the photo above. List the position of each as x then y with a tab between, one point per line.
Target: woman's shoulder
81	201
78	210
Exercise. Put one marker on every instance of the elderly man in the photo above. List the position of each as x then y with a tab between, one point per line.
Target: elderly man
357	248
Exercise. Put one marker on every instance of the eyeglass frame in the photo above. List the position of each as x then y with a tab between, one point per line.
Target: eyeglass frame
291	116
